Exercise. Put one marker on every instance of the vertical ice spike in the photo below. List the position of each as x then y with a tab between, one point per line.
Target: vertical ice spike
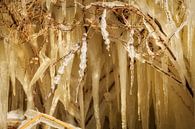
122	56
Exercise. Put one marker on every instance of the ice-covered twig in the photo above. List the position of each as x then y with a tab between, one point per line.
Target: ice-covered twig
66	60
83	63
83	56
104	32
132	55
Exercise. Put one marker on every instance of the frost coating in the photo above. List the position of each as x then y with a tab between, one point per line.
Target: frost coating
104	32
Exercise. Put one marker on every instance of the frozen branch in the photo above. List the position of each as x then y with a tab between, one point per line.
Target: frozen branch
83	62
66	60
132	55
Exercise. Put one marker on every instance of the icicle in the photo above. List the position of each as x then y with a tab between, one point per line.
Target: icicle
96	64
190	32
68	40
54	104
156	101
75	8
83	63
116	76
4	85
143	94
189	41
48	2
132	54
95	93
81	103
165	85
139	106
45	63
104	32
122	56
12	65
140	91
64	8
149	75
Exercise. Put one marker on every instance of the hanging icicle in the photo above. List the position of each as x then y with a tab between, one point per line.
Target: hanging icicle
47	3
165	85
122	56
104	32
64	8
